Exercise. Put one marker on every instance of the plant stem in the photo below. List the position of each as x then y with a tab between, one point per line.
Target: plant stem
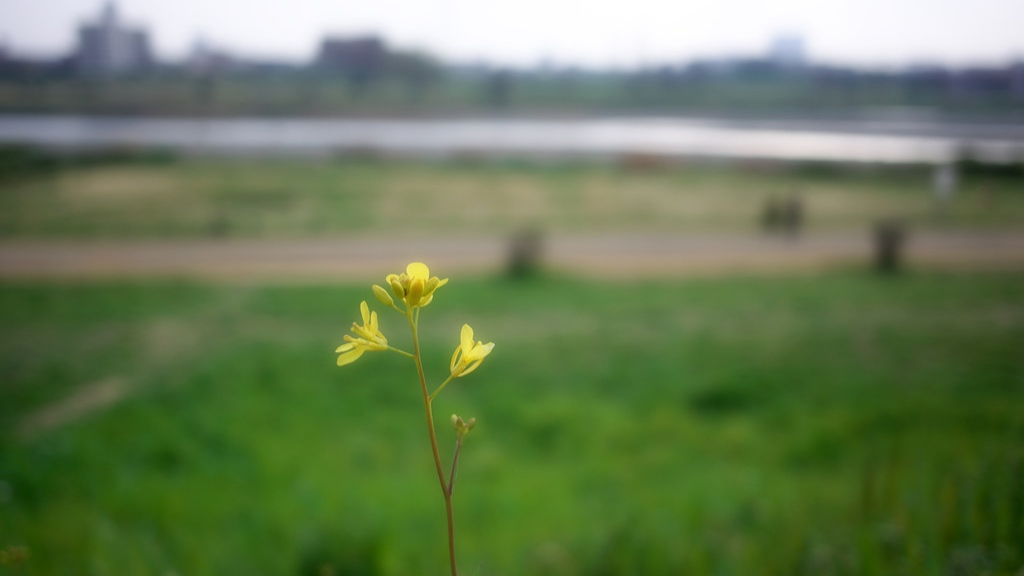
427	404
455	461
402	352
439	388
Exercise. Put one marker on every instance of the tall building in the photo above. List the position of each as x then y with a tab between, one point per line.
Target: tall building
361	59
109	47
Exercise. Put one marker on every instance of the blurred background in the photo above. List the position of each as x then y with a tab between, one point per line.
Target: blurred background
754	272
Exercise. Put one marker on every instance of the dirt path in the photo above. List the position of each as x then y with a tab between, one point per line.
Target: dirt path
369	257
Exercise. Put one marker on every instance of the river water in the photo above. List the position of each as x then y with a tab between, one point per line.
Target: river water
883	141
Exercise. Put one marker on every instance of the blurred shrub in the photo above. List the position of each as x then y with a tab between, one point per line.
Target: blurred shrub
18	161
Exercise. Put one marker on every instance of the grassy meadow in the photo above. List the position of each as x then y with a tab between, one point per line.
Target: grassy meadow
835	424
838	422
167	198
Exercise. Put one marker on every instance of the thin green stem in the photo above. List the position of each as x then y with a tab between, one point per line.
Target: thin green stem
455	461
413	317
441	387
402	352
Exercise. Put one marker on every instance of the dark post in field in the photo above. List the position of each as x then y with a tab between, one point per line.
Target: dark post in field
889	239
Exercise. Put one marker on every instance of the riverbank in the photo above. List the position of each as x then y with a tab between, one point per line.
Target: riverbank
865	140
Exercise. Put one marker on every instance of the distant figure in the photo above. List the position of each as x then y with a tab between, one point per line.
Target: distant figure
785	215
889	238
525	251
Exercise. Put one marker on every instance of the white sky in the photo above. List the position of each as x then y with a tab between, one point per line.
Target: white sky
579	32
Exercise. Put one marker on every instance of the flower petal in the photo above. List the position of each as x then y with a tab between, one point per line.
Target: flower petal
345	347
395	282
481	350
365	311
472	366
455	358
418	270
351	356
467	338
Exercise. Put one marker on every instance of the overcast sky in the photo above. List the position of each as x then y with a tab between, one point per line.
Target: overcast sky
577	32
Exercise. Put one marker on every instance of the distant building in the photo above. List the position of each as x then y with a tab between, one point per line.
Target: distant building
787	51
1017	80
360	59
109	47
205	59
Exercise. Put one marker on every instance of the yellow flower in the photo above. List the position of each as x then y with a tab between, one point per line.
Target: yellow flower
469	355
369	338
415	286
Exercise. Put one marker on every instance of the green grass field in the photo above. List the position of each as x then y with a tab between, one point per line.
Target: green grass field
839	423
288	198
835	423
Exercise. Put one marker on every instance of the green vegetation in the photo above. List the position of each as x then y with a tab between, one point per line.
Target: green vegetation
699	90
839	423
156	196
833	424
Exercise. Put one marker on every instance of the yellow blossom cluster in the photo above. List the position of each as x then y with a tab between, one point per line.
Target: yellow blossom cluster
415	288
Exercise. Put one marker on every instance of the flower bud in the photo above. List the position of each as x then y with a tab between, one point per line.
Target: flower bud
415	292
462	427
396	287
383	296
